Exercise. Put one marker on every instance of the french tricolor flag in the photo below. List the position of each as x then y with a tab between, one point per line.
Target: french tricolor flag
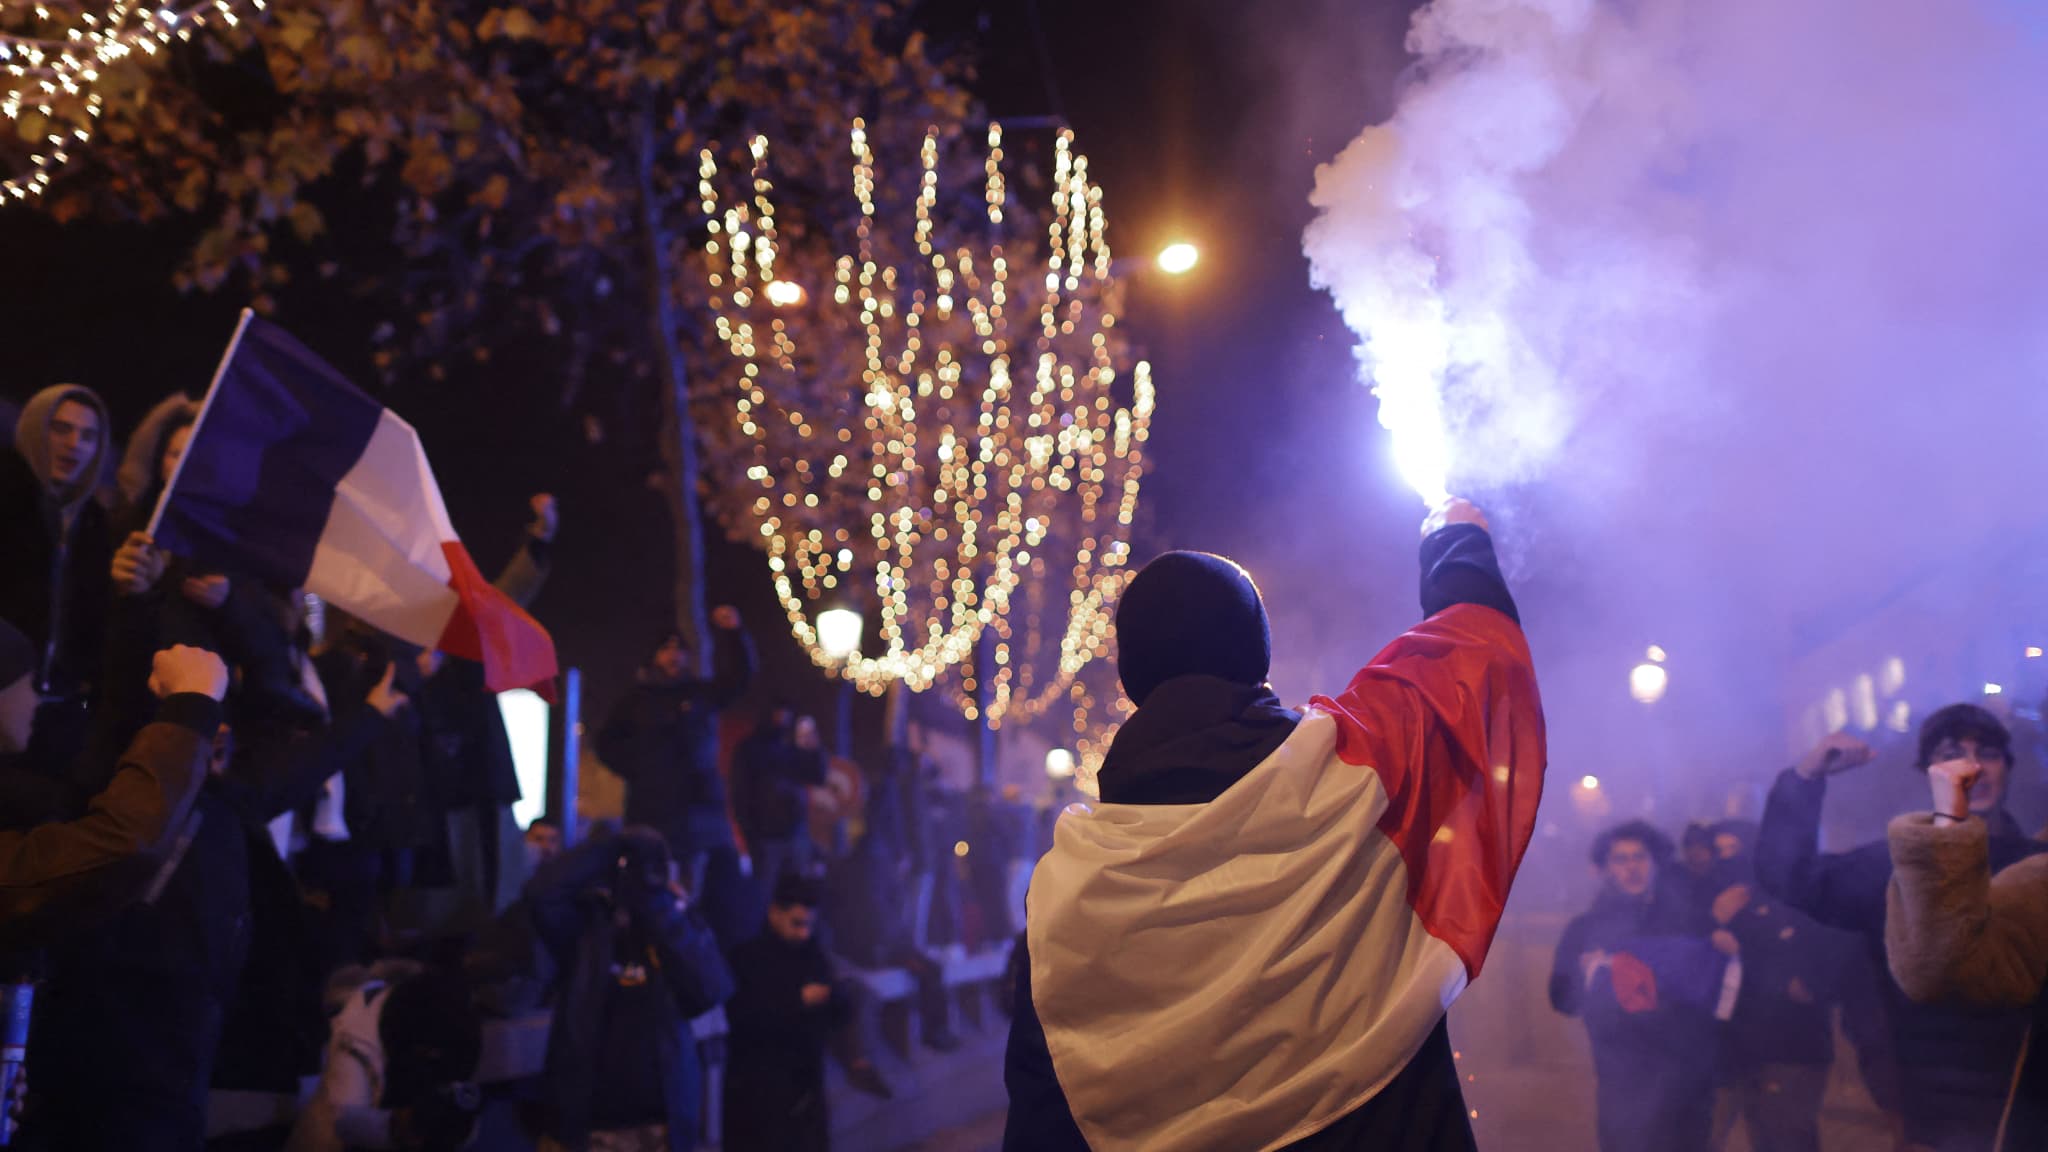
1244	973
294	475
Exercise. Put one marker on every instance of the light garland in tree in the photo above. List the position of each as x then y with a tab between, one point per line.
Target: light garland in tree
960	439
47	78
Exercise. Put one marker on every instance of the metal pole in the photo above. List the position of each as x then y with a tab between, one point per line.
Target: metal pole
563	787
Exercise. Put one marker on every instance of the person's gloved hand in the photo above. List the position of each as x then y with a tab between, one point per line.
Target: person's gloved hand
1454	511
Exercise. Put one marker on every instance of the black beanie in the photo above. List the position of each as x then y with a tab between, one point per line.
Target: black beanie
1187	613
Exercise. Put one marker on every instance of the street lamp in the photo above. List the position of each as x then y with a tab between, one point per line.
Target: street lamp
784	293
1059	764
839	631
1177	258
839	635
1647	681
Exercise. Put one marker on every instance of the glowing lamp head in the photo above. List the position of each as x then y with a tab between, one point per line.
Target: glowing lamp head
1059	764
1177	259
784	293
1589	783
839	632
1647	682
1991	689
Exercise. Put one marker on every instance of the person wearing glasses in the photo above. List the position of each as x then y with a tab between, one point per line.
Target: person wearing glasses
1955	1063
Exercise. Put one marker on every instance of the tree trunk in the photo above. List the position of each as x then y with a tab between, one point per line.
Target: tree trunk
678	428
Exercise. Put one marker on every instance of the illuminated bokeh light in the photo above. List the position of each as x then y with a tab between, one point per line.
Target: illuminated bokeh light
948	434
50	73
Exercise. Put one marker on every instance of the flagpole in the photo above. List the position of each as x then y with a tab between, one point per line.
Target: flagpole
199	422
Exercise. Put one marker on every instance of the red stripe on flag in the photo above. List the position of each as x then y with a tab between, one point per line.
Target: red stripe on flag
488	627
1448	716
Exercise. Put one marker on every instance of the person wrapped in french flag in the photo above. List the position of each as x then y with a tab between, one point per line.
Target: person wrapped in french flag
295	476
1250	943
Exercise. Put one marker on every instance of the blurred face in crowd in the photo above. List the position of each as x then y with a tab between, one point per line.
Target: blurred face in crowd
792	923
672	658
1727	845
1699	855
1630	868
1992	764
174	451
543	842
74	441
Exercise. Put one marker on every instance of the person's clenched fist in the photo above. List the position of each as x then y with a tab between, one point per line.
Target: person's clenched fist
183	668
1454	511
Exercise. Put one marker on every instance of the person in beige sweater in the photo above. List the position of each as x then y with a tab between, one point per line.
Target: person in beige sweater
1953	931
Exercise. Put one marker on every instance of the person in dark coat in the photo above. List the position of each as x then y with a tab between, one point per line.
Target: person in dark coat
1653	1052
226	612
56	551
1779	1043
138	1014
637	965
772	772
1235	862
1955	1063
662	740
55	878
785	1007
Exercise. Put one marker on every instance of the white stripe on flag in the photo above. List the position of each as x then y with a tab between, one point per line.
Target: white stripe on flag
380	557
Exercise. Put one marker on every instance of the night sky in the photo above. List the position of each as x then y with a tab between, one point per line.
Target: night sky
1204	120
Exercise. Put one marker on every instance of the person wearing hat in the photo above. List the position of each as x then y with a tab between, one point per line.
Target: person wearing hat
1252	940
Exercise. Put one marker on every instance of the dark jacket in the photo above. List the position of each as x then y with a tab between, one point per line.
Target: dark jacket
662	740
1193	739
1655	1062
56	551
55	877
769	775
1792	973
572	899
1955	1061
204	975
775	1070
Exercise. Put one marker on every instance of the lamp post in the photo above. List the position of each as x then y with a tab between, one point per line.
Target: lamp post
839	631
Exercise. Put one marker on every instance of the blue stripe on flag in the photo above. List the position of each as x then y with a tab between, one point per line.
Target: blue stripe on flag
258	479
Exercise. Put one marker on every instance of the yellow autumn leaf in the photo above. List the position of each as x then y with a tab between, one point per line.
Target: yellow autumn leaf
519	24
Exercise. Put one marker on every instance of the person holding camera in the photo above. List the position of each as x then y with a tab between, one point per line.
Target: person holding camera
638	964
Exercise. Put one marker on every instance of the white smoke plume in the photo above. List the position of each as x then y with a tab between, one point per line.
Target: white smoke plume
1761	283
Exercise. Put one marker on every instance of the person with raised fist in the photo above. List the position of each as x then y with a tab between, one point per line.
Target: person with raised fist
1252	941
1955	1065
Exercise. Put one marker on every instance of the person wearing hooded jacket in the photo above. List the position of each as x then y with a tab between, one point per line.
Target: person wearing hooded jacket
55	551
1954	1062
228	612
1957	931
1321	883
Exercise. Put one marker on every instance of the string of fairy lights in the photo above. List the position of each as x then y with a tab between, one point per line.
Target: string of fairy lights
49	72
979	403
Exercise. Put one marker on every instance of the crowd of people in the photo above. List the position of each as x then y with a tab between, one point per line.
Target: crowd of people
1711	977
247	841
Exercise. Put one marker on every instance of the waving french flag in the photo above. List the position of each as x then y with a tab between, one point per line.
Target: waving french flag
295	476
